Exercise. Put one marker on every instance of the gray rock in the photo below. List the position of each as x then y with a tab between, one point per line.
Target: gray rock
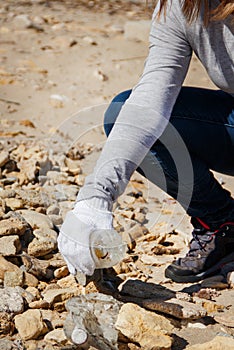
91	321
53	210
11	300
56	219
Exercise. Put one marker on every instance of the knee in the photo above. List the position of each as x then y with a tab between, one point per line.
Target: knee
113	110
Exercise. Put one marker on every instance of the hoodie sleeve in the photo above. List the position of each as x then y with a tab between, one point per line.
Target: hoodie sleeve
147	111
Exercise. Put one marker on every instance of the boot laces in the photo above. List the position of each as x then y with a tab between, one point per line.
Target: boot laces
199	241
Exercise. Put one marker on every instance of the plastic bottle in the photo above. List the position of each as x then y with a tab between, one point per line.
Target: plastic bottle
107	248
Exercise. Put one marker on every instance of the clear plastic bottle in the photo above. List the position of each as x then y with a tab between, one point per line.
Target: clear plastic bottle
107	248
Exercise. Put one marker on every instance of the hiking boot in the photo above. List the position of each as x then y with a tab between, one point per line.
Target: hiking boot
209	251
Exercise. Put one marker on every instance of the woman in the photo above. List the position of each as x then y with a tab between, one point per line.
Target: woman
153	124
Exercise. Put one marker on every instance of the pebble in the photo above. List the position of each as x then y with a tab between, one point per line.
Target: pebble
13	278
57	336
11	300
10	245
145	328
30	324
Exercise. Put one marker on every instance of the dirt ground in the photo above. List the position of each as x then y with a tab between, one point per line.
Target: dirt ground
61	63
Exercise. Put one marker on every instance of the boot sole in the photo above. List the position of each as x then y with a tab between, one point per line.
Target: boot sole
171	270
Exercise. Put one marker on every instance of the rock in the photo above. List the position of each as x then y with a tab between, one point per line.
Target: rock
139	289
214	282
34	291
67	282
33	199
73	166
10	245
226	318
38	268
178	308
39	304
13	278
54	296
4	157
14	203
11	301
53	210
61	272
149	330
6	266
22	21
210	306
56	219
57	336
137	30
91	318
30	280
36	220
218	343
58	101
13	226
230	279
30	324
6	324
54	318
42	246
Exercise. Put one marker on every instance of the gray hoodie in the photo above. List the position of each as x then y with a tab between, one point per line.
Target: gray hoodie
146	113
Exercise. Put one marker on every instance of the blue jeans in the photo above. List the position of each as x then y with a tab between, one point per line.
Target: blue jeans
205	121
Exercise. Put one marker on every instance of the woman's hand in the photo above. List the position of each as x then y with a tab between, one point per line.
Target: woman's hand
74	236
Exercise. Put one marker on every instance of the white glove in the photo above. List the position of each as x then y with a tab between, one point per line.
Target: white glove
74	236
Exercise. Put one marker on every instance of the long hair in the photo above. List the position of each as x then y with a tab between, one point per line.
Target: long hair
192	8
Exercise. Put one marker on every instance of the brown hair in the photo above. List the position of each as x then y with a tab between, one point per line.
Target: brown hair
191	9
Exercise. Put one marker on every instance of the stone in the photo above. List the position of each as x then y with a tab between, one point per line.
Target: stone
210	306
37	267
54	318
13	226
57	336
4	157
11	301
178	308
92	317
13	278
53	296
30	280
226	318
36	220
14	203
42	246
33	199
21	21
39	304
146	328
214	282
218	343
10	245
230	279
56	219
61	272
30	324
34	291
7	266
67	282
6	324
53	210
